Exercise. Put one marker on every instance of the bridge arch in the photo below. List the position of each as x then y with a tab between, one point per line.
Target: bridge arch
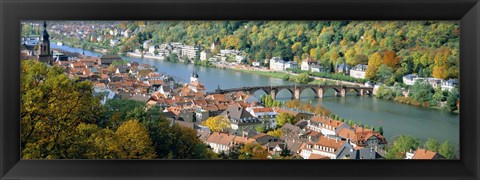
278	90
302	90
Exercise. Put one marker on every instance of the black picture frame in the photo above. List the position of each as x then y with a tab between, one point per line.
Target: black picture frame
13	11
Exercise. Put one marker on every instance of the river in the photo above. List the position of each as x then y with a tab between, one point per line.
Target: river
395	118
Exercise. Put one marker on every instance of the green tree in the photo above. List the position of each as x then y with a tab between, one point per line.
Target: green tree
303	78
432	145
452	99
284	117
401	145
447	150
421	92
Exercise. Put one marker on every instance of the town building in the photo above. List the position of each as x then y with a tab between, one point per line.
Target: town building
205	55
308	63
278	64
358	71
423	154
449	85
240	118
195	84
191	52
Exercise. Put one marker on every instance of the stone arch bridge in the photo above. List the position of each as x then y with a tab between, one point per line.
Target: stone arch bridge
296	90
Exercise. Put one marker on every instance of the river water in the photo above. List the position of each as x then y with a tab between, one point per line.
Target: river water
395	118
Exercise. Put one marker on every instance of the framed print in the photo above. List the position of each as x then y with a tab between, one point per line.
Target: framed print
214	89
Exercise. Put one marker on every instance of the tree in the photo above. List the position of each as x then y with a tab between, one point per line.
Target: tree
390	59
284	117
252	151
276	133
401	145
446	150
421	92
303	78
295	103
452	99
134	141
432	145
217	123
52	106
380	130
319	109
374	63
384	74
285	152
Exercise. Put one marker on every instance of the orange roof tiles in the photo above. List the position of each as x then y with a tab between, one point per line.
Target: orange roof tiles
424	154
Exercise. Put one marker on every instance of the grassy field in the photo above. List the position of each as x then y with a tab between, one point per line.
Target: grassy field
280	75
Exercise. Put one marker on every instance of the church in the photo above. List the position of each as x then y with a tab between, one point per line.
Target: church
195	84
45	54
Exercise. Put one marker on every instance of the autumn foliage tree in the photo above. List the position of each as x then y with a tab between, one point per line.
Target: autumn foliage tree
253	151
374	63
134	141
52	106
217	123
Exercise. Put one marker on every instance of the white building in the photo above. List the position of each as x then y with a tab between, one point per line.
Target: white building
256	64
263	113
324	147
278	64
448	85
308	63
190	51
410	79
358	71
205	55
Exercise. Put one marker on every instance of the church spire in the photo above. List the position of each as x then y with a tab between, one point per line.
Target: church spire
45	33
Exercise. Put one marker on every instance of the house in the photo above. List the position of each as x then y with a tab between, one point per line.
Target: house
308	63
318	68
324	147
256	64
410	79
205	55
358	71
298	114
449	85
325	125
122	69
165	90
290	64
108	59
239	117
153	49
222	142
362	137
423	154
347	151
343	68
277	64
266	115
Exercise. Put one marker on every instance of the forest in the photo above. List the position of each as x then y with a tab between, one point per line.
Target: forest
390	48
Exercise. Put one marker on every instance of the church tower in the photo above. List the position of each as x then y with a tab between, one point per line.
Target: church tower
45	54
194	76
